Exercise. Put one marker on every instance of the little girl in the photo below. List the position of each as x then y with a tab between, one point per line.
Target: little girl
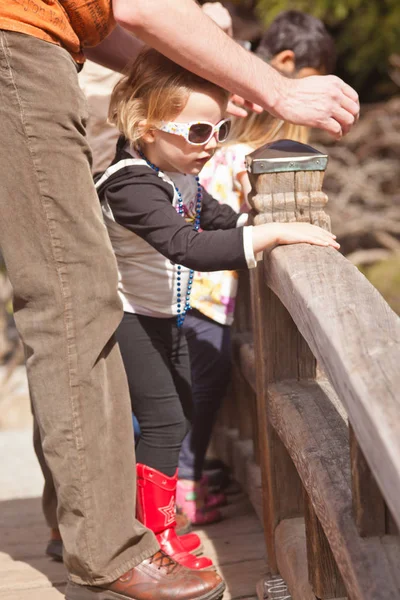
298	45
163	225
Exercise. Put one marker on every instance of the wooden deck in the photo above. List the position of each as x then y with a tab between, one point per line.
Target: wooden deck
236	544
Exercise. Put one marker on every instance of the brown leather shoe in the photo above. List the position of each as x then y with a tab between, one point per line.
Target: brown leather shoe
156	578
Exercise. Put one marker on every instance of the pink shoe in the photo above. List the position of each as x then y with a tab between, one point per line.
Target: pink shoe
190	500
211	500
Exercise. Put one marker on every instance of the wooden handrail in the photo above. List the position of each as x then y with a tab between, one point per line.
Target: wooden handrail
356	336
338	474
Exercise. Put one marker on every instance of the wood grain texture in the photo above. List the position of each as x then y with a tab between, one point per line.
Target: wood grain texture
317	440
323	573
243	316
290	540
244	401
368	504
236	544
282	490
356	336
269	516
288	197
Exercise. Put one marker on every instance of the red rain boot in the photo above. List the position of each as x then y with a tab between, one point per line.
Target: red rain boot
155	508
192	543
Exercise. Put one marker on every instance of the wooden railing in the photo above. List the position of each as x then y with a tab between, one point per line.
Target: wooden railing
326	438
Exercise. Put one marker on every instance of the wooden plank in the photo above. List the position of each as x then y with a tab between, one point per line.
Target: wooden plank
51	593
282	491
224	445
236	544
247	359
323	573
290	538
326	385
391	527
233	549
241	391
244	469
30	508
245	523
248	474
391	548
243	359
316	438
368	504
243	316
356	336
37	573
269	516
23	542
272	587
241	579
249	392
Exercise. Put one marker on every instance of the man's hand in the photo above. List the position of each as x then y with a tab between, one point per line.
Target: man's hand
325	102
181	31
239	107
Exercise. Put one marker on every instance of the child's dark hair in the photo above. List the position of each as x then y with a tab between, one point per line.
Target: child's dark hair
305	35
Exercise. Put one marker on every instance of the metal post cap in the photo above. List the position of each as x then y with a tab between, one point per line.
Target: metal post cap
285	155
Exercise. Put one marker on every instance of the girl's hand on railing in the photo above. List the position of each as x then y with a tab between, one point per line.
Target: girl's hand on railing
269	235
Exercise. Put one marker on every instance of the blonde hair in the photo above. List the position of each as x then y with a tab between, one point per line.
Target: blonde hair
258	129
154	89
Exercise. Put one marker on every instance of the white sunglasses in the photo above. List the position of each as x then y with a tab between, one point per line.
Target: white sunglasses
198	133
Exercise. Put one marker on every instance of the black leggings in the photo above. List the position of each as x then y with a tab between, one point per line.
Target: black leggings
156	360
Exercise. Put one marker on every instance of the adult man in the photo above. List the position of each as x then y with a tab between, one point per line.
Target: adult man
63	271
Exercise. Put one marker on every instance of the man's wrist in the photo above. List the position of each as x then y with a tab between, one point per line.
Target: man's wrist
278	91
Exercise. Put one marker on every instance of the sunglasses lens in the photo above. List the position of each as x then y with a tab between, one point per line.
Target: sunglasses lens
199	133
224	131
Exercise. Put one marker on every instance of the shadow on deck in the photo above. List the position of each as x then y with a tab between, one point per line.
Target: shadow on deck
236	546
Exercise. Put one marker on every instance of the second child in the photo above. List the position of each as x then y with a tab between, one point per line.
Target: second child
163	225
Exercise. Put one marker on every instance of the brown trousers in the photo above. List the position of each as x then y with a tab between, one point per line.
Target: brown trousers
64	276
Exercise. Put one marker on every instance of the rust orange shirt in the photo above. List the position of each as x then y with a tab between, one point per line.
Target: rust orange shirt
73	24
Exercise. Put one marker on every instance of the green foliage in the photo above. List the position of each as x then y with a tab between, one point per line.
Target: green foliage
367	32
385	276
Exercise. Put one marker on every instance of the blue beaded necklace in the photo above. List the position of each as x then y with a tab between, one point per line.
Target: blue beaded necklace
181	311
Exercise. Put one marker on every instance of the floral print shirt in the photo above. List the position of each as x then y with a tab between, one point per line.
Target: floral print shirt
214	294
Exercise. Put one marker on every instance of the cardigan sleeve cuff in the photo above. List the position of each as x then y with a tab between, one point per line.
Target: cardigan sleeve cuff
248	247
242	220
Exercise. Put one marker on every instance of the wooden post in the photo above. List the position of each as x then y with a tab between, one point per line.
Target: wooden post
242	321
286	182
242	392
324	575
276	466
368	504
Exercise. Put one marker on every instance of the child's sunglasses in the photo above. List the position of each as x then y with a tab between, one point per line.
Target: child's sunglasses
198	133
